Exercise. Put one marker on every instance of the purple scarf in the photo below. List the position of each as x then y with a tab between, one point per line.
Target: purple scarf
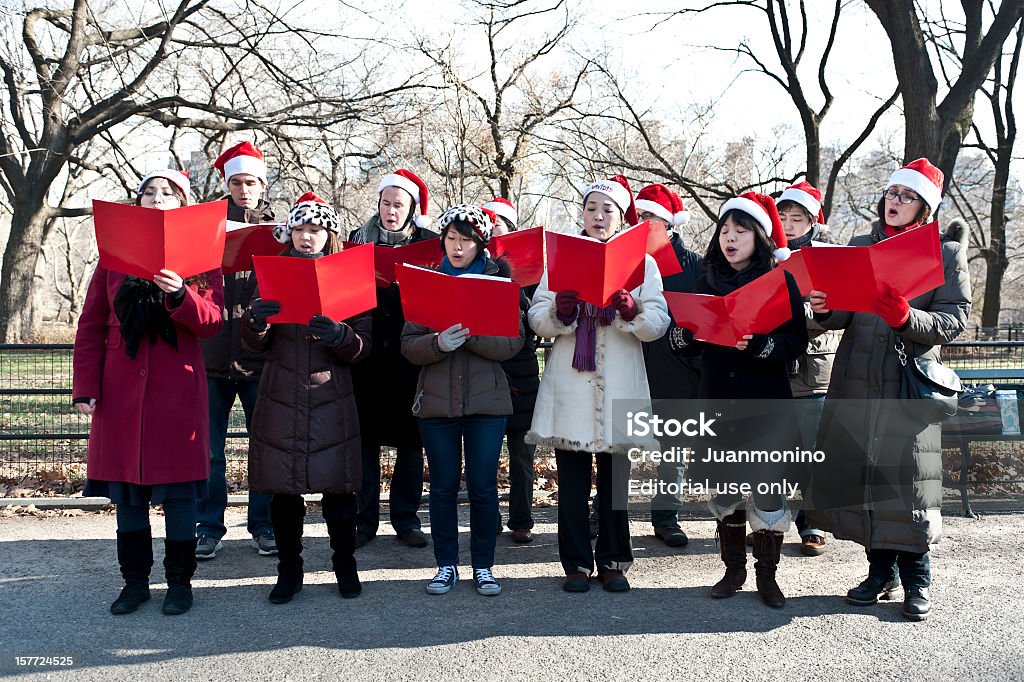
590	316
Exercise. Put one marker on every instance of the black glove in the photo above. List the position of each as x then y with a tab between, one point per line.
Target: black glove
176	298
260	310
328	331
761	345
679	338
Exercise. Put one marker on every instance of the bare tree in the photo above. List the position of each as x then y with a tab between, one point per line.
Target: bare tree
937	129
73	75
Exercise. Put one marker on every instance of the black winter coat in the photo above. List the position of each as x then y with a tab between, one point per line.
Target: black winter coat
385	383
523	371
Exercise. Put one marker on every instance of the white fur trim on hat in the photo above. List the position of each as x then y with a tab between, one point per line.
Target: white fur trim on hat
801	197
175	177
757	212
243	163
681	217
393	180
909	177
613	190
504	210
654	208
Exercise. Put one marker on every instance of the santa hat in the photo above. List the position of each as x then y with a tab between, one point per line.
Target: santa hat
242	158
308	210
922	177
175	177
480	219
416	188
807	195
662	202
504	208
761	208
617	189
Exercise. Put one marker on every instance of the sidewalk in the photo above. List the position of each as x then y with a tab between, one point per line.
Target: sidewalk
59	575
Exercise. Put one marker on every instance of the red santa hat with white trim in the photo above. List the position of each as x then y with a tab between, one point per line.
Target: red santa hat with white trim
761	208
241	158
922	177
662	202
807	195
617	189
503	208
175	177
411	183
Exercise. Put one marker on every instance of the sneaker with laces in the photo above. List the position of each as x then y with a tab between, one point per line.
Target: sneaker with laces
207	547
444	579
265	543
485	582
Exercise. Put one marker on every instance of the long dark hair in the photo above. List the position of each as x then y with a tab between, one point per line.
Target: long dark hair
199	280
764	246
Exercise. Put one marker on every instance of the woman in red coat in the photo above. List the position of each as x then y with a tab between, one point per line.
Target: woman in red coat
138	370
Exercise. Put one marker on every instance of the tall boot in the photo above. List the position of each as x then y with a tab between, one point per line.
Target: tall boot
135	556
340	517
767	551
286	515
732	543
179	567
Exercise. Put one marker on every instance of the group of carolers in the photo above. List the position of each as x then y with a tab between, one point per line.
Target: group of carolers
321	399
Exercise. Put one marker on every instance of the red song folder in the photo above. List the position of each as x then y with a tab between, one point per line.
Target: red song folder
245	241
487	306
755	308
596	269
141	242
660	248
339	286
426	253
851	276
524	252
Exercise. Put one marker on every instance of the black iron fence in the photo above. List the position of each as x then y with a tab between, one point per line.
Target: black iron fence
43	436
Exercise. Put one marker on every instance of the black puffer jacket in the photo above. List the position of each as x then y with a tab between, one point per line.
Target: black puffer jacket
223	354
523	371
386	382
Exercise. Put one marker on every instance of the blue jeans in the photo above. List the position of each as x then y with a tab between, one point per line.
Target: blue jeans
210	512
444	441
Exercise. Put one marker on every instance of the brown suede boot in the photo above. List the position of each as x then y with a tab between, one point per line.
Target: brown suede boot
731	541
767	551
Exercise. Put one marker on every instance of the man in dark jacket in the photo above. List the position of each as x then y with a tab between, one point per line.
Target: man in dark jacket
230	370
386	381
670	375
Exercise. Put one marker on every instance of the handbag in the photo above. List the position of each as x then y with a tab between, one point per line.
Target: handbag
928	389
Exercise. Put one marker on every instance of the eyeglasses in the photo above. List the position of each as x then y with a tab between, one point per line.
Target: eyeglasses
893	195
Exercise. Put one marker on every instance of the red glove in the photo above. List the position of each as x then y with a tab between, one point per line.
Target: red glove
892	307
567	305
625	304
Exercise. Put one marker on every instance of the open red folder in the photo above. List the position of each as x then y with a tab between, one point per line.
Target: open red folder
524	252
755	308
141	242
426	253
487	306
245	241
852	275
339	286
660	248
596	269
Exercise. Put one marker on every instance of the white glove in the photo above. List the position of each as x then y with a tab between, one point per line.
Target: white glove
452	338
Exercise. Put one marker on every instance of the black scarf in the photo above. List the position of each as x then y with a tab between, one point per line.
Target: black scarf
724	279
139	305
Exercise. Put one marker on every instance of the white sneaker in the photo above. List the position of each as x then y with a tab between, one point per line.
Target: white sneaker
443	581
485	582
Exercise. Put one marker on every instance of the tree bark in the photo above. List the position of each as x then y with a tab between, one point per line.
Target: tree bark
17	309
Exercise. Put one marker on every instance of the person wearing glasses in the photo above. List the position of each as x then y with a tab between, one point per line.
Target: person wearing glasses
893	459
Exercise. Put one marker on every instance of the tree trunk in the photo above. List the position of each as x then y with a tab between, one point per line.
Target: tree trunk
996	261
17	310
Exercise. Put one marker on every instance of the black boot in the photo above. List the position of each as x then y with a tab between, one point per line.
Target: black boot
917	603
340	516
767	551
179	567
286	515
135	556
731	534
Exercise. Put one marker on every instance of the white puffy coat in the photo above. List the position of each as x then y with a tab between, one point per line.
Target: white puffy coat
574	409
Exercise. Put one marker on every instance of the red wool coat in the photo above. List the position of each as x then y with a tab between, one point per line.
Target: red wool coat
151	424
